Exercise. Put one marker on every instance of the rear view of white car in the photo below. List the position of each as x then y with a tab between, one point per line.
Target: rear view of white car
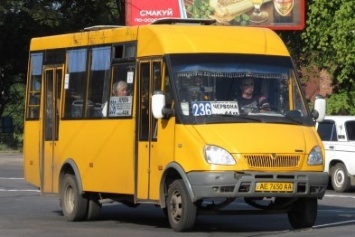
338	136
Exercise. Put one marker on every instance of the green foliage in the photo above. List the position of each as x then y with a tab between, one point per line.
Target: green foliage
21	20
330	43
341	103
15	108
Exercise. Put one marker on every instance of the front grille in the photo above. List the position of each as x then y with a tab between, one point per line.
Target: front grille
272	161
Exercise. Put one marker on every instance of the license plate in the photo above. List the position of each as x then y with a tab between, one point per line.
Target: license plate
273	187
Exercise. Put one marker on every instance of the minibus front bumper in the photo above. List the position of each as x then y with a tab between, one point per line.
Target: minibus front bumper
229	184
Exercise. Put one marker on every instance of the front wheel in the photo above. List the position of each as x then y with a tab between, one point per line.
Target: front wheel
180	209
340	179
74	204
303	213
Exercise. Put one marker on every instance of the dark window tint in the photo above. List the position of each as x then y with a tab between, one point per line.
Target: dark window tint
55	56
74	85
99	79
125	51
327	131
350	130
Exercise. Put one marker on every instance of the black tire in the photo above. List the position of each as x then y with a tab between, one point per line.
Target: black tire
94	207
165	212
74	204
303	213
181	210
340	178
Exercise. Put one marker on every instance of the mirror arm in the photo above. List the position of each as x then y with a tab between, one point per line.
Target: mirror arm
167	112
315	114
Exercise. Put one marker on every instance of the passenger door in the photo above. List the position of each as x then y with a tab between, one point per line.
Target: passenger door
51	109
147	124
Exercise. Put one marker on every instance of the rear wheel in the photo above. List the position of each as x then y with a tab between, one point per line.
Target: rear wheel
74	204
303	213
180	209
340	179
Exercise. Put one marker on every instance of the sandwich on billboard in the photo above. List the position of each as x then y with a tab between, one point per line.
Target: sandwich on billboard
274	14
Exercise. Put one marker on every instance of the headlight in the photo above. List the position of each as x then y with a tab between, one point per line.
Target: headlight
215	155
315	156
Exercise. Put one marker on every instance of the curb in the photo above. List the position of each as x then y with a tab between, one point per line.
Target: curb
11	155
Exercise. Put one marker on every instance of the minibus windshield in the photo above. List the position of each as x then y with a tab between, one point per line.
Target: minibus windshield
216	88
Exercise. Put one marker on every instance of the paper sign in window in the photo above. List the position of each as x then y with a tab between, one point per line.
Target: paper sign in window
120	106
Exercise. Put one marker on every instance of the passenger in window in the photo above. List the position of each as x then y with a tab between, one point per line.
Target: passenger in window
118	89
248	101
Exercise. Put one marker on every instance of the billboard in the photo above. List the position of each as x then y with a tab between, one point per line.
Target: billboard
273	14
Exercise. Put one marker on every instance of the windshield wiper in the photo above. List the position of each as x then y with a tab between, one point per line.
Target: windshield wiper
239	117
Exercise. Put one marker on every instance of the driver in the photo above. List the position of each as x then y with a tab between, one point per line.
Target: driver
248	102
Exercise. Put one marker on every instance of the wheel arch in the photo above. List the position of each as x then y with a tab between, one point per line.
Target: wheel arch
172	172
333	163
69	166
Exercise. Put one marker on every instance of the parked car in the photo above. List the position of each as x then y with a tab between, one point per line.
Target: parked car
338	136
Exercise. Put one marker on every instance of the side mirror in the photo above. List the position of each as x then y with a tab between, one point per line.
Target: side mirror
158	103
318	112
158	106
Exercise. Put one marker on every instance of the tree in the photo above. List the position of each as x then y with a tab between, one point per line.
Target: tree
13	52
330	44
21	20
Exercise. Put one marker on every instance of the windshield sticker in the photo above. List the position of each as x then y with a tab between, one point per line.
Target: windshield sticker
120	106
203	108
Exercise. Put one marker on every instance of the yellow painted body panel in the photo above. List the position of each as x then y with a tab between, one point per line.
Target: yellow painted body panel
31	151
162	154
143	171
84	38
163	39
105	164
103	152
246	138
47	164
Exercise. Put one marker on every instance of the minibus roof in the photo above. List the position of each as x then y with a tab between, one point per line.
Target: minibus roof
160	39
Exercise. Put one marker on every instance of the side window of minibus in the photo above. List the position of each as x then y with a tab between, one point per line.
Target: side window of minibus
150	80
34	88
75	83
157	86
144	89
167	91
99	79
118	94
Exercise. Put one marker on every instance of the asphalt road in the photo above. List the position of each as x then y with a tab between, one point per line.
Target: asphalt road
24	211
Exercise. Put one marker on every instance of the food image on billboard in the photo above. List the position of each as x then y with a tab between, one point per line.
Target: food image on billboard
274	14
228	12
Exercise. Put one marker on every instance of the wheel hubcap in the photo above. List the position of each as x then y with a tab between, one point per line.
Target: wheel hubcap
69	199
176	206
339	178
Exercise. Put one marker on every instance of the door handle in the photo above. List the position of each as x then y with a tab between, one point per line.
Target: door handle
331	147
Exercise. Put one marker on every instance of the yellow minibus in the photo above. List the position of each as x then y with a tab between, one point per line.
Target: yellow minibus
182	114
